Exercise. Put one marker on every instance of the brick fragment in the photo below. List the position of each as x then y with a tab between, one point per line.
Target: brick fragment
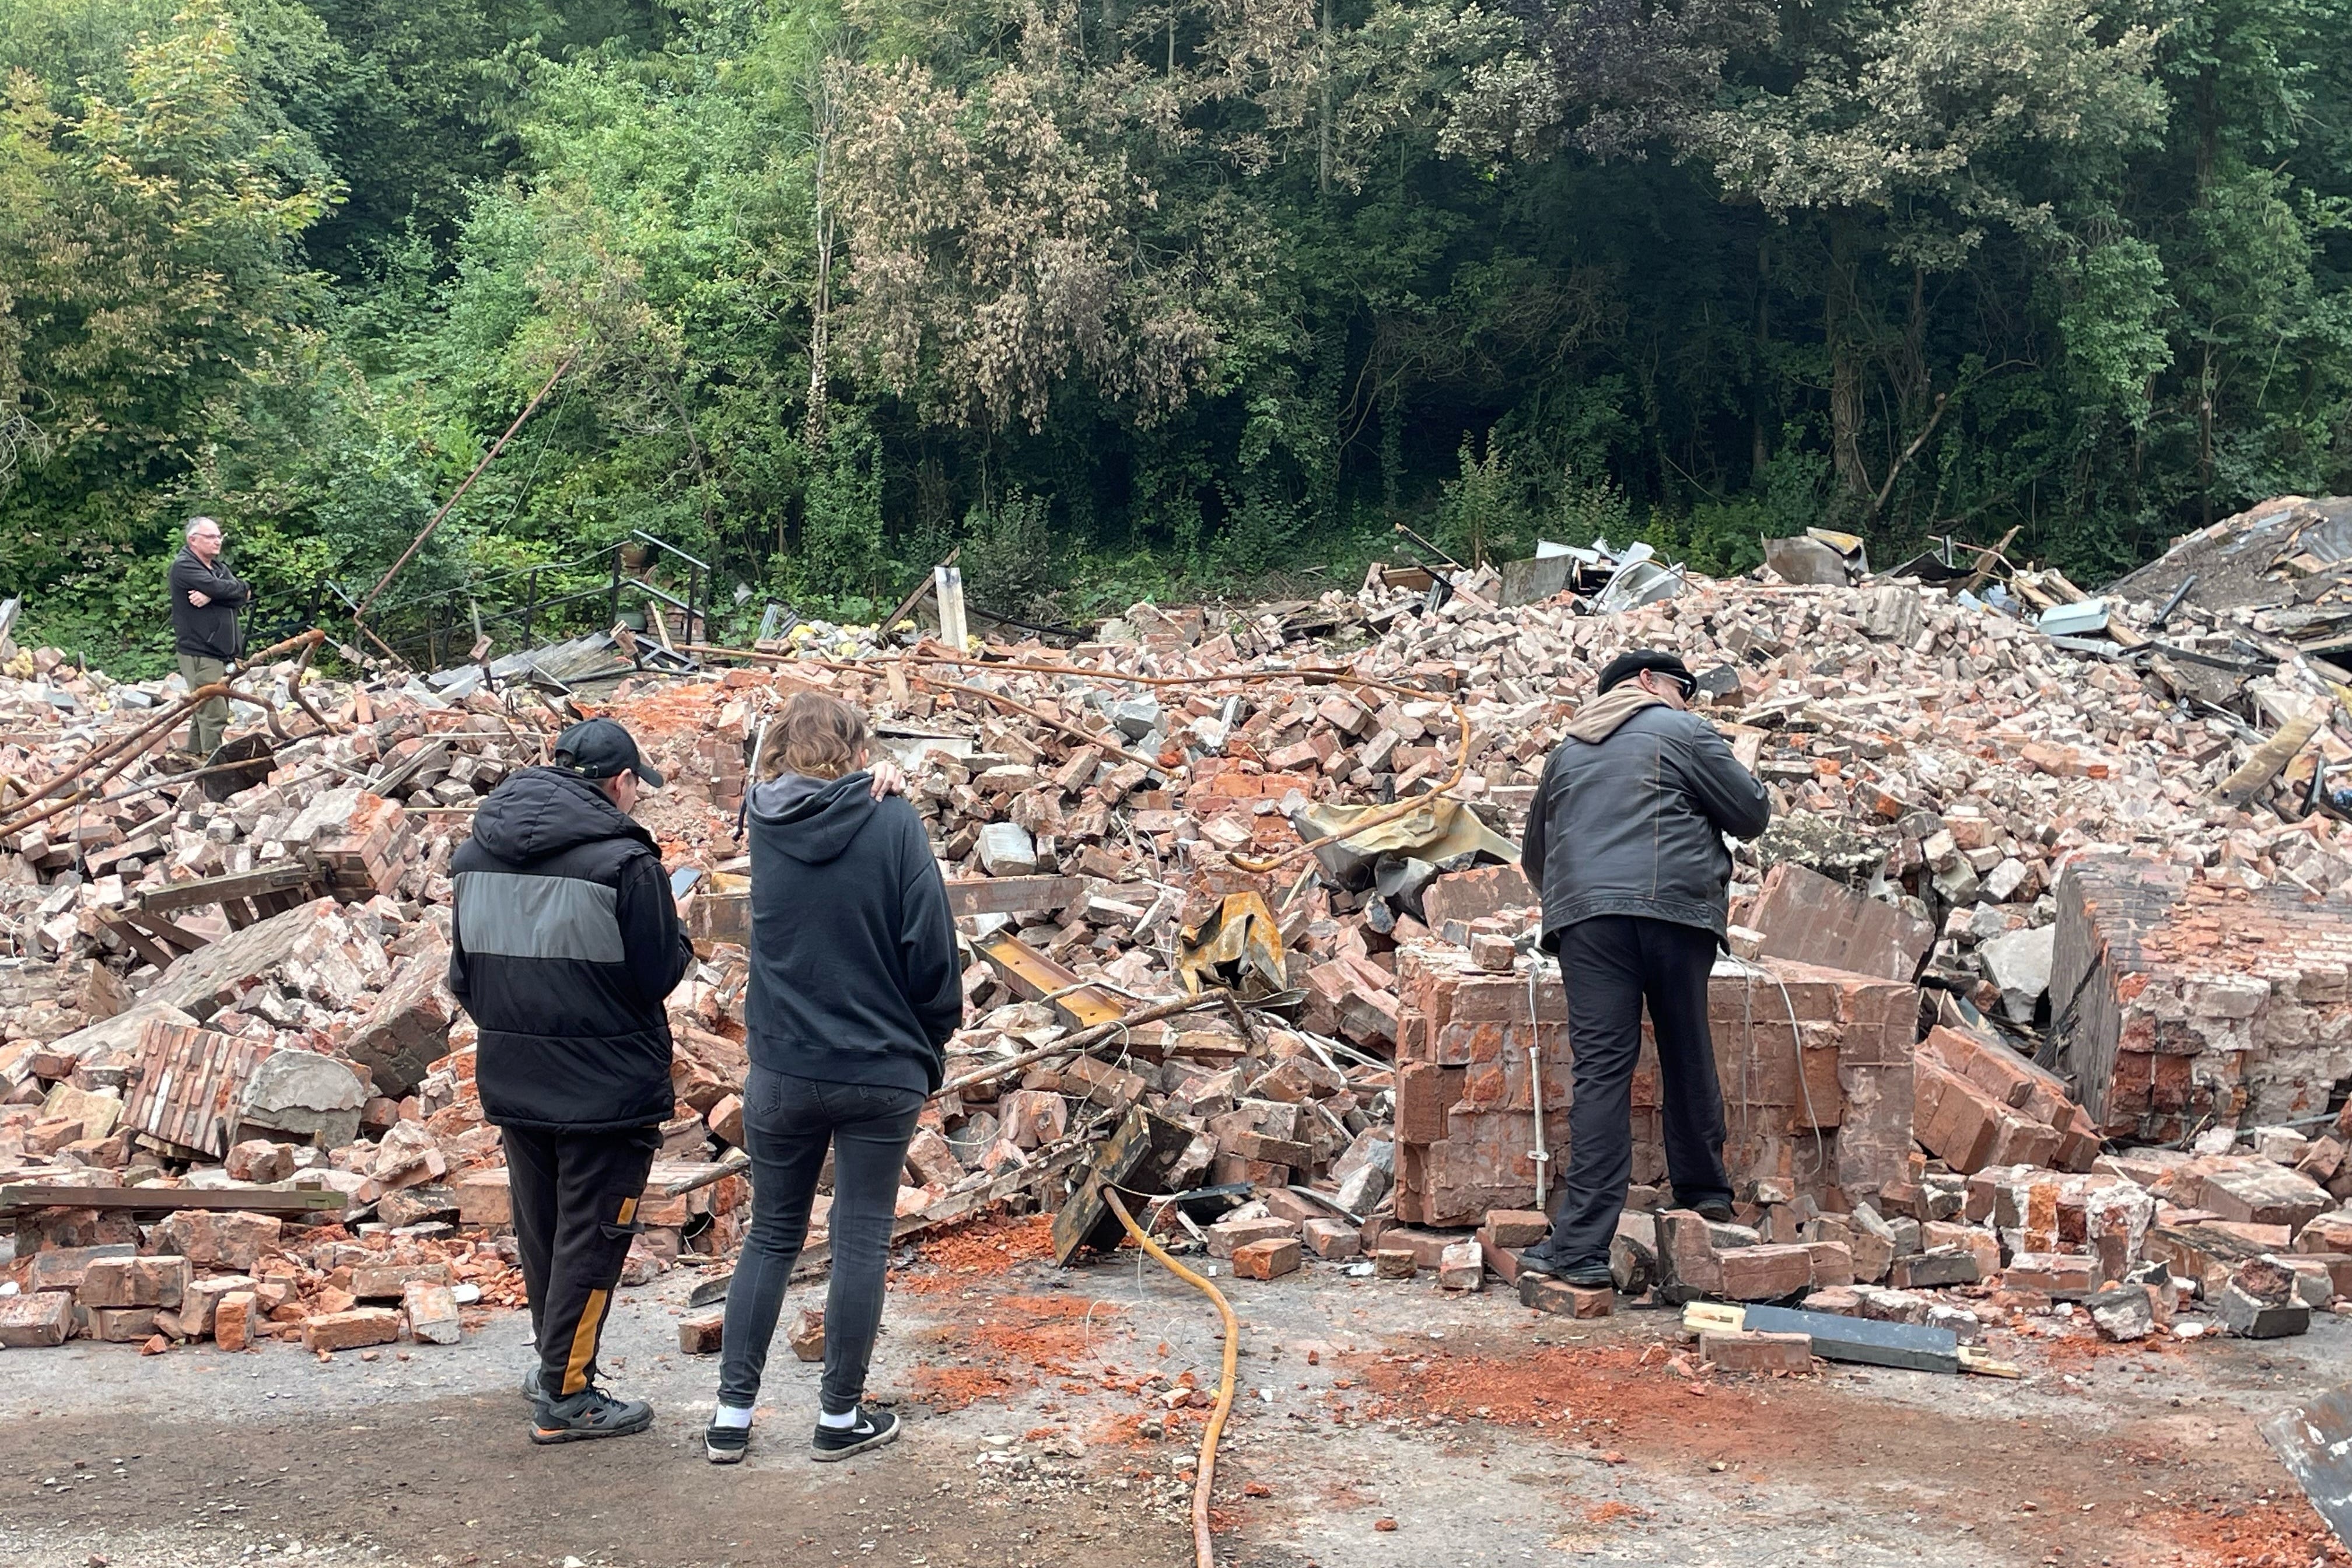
431	1309
112	1282
1461	1266
1395	1263
1332	1239
1227	1237
1563	1300
36	1318
1765	1273
806	1335
698	1333
1516	1228
233	1318
1763	1354
352	1330
1270	1258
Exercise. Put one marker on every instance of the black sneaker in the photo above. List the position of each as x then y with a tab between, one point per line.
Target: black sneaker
1588	1275
1716	1211
872	1429
589	1414
726	1445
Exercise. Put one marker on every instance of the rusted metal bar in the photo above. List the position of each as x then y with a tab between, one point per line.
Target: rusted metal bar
358	616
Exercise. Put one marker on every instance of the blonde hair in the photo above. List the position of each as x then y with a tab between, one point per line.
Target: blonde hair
818	735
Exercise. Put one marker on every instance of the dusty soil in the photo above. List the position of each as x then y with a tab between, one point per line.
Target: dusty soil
1052	1419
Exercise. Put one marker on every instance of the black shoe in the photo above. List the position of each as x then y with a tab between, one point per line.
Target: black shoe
726	1445
589	1414
1588	1275
871	1430
1716	1211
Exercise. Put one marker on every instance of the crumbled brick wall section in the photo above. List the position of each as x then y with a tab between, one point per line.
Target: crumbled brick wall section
2176	1004
1465	1121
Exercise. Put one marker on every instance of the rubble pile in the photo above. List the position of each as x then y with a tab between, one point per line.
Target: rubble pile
2024	894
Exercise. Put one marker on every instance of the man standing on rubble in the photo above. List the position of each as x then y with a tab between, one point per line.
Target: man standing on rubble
1624	838
205	597
564	946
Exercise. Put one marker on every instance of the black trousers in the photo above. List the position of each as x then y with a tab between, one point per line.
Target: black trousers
574	1197
1609	966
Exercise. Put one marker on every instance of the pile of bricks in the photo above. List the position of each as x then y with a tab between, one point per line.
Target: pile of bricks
1946	786
1815	1065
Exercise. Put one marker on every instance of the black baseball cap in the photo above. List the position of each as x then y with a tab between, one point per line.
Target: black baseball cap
1626	666
599	748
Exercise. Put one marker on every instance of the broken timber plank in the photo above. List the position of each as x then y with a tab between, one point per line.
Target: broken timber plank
1135	1160
2270	756
220	1200
1012	895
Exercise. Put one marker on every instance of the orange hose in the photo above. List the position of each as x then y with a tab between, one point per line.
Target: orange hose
1205	1553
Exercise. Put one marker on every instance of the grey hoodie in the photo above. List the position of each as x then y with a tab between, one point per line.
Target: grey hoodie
1630	816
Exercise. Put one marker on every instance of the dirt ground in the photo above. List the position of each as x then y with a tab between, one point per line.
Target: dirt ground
1380	1424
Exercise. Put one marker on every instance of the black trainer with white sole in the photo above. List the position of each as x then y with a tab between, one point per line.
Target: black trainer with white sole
872	1429
726	1445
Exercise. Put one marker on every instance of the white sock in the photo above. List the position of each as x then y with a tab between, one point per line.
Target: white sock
727	1415
840	1423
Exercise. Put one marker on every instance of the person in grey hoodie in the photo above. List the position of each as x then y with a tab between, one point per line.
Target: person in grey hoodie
1624	838
856	987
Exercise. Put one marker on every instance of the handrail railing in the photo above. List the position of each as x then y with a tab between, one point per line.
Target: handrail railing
528	607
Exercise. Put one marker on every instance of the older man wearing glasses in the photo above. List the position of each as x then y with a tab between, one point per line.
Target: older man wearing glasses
205	598
1625	837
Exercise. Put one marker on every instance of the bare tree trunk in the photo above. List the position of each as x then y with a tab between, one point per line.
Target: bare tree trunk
1759	438
1845	366
1323	121
824	123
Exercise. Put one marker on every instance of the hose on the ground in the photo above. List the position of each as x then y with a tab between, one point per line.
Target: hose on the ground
1203	1553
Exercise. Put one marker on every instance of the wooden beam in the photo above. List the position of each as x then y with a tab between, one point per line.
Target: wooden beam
1012	895
250	1200
2273	754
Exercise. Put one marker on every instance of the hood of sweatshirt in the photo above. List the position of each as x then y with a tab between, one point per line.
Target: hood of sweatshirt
545	811
1599	719
811	819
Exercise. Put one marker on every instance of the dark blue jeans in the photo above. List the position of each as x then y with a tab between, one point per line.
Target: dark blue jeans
788	1125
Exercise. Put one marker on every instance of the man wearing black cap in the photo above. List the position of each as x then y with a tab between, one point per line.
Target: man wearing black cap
1625	839
564	945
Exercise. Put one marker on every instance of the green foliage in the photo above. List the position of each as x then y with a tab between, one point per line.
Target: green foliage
1148	300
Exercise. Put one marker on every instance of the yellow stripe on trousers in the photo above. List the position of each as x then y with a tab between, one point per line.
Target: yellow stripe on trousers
591	1319
583	1343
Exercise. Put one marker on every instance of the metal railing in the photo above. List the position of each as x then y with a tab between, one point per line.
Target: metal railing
520	607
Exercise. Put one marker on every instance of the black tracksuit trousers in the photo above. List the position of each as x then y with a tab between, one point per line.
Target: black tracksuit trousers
1610	965
574	1197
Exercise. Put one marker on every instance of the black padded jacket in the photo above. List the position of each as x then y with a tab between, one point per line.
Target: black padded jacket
564	946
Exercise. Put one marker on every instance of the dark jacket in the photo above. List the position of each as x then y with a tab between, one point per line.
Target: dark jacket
1630	816
854	971
564	945
212	632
